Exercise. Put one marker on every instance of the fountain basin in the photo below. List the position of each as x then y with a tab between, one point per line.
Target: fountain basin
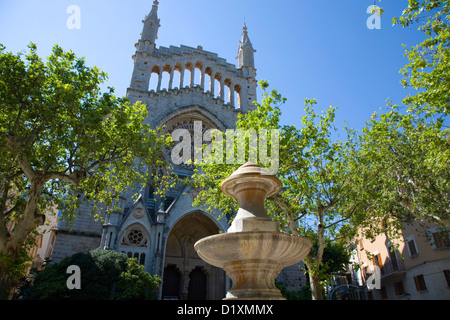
253	260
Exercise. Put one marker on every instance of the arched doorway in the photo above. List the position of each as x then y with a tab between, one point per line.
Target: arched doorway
197	279
171	283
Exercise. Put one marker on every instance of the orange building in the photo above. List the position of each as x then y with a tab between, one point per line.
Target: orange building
416	266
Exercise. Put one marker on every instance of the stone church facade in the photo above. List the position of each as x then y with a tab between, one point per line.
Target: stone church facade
180	86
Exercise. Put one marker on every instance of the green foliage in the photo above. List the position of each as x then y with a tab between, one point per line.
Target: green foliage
335	259
18	267
400	162
135	284
209	175
401	171
56	124
288	295
99	270
303	294
104	274
314	200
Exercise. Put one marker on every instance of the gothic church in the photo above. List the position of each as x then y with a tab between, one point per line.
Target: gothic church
161	234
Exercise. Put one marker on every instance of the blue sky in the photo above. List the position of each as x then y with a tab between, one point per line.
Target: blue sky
318	49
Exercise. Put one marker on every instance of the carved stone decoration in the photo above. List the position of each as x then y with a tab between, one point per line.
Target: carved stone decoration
135	237
194	192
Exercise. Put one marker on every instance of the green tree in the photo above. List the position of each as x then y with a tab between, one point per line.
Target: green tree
401	172
63	141
401	159
104	275
135	284
336	257
313	201
335	260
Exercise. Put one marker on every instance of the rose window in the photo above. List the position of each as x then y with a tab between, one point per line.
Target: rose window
135	237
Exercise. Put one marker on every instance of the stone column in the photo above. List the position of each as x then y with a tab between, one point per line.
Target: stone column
191	82
211	83
202	78
244	99
231	95
171	78
221	89
181	78
158	88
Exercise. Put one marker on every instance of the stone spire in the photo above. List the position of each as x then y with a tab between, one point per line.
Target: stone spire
246	52
151	24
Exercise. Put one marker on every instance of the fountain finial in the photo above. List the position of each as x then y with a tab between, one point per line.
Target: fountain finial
251	185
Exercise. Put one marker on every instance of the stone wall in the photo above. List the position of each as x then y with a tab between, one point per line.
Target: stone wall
151	62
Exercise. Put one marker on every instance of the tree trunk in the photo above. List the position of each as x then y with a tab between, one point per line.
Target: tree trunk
15	240
10	259
314	260
316	288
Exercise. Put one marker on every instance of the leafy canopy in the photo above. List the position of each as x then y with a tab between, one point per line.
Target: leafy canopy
57	126
104	275
64	142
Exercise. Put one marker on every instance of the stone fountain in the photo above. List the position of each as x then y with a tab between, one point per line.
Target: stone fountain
253	251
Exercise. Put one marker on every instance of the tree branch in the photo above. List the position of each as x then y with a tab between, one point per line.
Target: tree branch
57	175
31	216
24	164
278	199
336	222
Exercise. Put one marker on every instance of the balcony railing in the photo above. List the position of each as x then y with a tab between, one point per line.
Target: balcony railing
392	266
389	268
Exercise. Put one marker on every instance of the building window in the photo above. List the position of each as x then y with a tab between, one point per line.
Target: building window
365	271
142	259
411	244
420	283
447	277
441	239
135	237
393	258
399	289
378	262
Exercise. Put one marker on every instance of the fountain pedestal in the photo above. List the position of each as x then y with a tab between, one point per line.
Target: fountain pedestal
253	251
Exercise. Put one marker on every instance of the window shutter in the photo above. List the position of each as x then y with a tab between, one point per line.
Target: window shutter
447	276
412	248
420	282
380	261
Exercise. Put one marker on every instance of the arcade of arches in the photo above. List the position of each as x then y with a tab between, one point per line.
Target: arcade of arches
186	276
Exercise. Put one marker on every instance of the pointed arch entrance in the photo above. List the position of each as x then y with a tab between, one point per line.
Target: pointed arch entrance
186	276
